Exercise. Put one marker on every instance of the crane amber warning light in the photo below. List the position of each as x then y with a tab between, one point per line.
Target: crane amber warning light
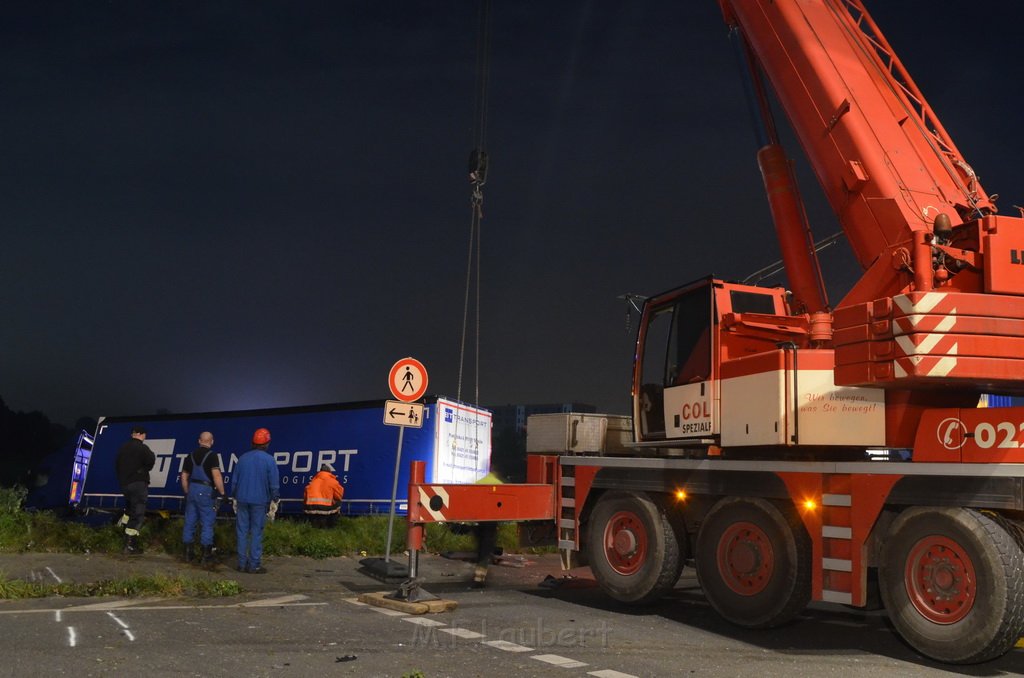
408	380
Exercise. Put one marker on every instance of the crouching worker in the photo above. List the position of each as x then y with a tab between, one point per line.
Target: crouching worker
202	482
323	498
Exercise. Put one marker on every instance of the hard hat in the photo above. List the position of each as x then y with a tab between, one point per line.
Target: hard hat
261	436
326	467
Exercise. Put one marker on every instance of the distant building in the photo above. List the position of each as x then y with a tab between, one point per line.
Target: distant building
514	416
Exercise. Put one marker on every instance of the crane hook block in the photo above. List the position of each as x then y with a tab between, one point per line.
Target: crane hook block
478	166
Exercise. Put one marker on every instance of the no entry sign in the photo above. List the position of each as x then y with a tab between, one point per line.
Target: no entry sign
408	380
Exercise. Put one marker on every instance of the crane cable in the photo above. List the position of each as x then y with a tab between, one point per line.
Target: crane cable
477	178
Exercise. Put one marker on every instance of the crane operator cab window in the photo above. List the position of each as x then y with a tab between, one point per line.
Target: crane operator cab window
676	351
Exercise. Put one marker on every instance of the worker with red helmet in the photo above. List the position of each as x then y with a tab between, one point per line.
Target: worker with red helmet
256	490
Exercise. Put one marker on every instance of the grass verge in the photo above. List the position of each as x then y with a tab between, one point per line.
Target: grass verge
42	531
156	585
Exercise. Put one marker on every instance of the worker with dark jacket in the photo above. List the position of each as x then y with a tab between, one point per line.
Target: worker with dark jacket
201	481
256	490
322	498
133	463
486	535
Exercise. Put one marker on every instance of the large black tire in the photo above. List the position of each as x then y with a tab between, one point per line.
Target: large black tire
951	583
754	562
632	549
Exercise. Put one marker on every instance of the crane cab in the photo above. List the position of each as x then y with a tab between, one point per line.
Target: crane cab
715	346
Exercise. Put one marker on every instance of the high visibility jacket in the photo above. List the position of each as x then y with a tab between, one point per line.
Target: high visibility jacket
324	493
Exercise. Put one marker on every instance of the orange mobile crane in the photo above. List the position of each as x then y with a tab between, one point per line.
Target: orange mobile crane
792	451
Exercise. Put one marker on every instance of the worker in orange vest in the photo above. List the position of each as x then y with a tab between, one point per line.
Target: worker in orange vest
323	497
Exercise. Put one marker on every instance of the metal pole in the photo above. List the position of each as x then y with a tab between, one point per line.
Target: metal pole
394	495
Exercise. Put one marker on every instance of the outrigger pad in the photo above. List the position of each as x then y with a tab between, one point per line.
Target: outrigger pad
381	599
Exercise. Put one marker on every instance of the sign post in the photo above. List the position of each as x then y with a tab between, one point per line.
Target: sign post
408	382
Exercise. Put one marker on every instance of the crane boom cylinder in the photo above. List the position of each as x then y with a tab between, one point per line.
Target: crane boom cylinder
798	254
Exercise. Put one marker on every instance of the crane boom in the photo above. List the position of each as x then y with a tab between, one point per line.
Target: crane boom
887	165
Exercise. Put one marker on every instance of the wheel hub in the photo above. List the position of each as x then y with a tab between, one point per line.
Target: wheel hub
625	542
745	558
940	579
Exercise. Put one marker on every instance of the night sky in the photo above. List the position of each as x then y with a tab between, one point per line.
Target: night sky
229	205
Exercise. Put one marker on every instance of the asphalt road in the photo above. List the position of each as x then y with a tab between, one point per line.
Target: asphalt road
303	619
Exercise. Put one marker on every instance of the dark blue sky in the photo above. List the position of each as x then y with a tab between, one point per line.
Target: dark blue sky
227	205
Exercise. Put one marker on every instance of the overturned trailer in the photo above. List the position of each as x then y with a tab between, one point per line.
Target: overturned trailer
454	442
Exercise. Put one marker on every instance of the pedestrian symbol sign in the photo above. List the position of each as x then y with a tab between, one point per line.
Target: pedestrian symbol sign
408	380
397	413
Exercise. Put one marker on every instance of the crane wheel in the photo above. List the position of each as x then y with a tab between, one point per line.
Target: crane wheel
950	581
632	548
753	562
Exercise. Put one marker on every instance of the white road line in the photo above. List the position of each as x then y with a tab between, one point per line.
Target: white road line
129	634
507	646
158	608
56	616
390	613
120	623
114	604
270	602
54	575
72	636
608	673
462	633
423	621
555	659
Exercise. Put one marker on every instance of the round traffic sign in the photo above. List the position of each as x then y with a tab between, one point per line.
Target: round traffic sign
408	380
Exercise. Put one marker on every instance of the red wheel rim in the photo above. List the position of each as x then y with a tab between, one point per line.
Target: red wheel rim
745	558
625	542
940	579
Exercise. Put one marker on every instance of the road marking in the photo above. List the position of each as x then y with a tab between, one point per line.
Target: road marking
423	621
56	616
275	601
54	574
113	604
390	613
557	660
72	636
120	623
103	607
462	633
504	645
129	634
507	646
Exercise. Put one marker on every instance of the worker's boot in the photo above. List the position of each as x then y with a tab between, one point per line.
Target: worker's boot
190	553
131	545
479	576
206	560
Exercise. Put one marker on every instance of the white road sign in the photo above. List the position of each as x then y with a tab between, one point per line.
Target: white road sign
397	413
